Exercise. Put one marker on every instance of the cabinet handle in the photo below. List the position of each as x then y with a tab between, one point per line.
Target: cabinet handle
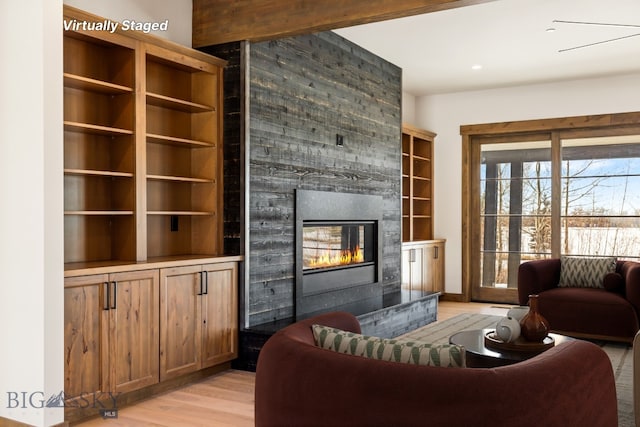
200	284
435	252
105	296
412	255
115	295
206	282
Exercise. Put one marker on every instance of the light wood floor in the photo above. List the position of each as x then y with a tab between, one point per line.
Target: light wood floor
226	399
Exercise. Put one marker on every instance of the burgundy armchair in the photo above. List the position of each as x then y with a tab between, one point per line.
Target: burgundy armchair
595	313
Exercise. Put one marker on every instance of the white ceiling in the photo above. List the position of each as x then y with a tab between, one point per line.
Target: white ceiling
509	39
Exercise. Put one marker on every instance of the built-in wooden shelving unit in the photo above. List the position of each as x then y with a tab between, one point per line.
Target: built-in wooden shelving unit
150	301
143	151
417	184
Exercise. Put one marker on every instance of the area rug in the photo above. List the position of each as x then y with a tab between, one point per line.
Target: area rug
621	355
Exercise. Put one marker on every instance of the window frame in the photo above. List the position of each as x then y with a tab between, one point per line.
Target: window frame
554	130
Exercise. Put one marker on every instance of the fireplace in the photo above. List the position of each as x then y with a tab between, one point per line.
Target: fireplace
337	252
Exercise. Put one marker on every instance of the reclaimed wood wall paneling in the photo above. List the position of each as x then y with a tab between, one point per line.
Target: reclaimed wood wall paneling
304	90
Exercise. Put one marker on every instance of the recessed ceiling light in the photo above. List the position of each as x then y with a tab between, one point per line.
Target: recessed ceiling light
550	30
476	67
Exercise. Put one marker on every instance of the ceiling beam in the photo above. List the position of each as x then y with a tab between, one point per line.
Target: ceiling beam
221	21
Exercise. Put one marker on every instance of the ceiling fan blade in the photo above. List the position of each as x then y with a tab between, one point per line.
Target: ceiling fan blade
597	43
595	23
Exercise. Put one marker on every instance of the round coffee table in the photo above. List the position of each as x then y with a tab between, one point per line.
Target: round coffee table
480	356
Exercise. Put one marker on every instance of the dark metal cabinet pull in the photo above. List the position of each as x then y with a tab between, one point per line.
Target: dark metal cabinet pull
115	295
106	296
200	284
206	282
435	252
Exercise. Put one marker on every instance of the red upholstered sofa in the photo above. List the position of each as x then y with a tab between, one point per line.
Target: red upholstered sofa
299	384
583	312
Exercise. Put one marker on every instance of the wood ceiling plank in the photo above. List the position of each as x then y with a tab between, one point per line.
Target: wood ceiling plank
221	21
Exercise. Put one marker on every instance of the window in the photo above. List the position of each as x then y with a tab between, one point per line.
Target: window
543	193
600	200
515	208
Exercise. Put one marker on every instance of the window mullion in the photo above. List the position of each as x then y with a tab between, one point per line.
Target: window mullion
556	195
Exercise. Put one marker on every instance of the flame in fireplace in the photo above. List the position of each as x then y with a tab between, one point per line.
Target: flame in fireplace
345	257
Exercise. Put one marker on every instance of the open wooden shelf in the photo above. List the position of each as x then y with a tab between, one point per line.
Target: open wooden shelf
421	178
95	129
177	104
99	236
103	59
180	213
86	83
180	179
172	140
98	213
97	173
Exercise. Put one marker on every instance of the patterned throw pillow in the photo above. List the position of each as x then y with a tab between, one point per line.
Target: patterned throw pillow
585	272
404	351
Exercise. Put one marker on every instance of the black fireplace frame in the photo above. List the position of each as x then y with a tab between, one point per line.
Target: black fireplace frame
333	207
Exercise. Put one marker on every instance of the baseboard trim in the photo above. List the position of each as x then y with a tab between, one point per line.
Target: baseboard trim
453	297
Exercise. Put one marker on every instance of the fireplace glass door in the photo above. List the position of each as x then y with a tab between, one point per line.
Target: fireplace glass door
331	245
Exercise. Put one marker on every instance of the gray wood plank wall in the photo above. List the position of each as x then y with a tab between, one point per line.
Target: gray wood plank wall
303	91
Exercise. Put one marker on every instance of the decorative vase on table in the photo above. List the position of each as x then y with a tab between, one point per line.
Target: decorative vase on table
533	326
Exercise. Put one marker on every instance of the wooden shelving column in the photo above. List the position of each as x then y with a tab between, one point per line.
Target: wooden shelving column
422	256
99	148
143	149
184	157
417	184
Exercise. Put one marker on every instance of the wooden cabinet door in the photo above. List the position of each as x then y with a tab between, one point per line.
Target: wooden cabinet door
134	319
219	314
86	337
407	260
423	266
419	271
180	330
438	267
414	268
434	264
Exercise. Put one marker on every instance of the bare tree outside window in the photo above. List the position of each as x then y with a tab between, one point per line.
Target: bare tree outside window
600	203
538	227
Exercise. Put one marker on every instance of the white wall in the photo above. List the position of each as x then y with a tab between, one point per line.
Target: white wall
178	12
444	114
31	190
408	109
31	220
